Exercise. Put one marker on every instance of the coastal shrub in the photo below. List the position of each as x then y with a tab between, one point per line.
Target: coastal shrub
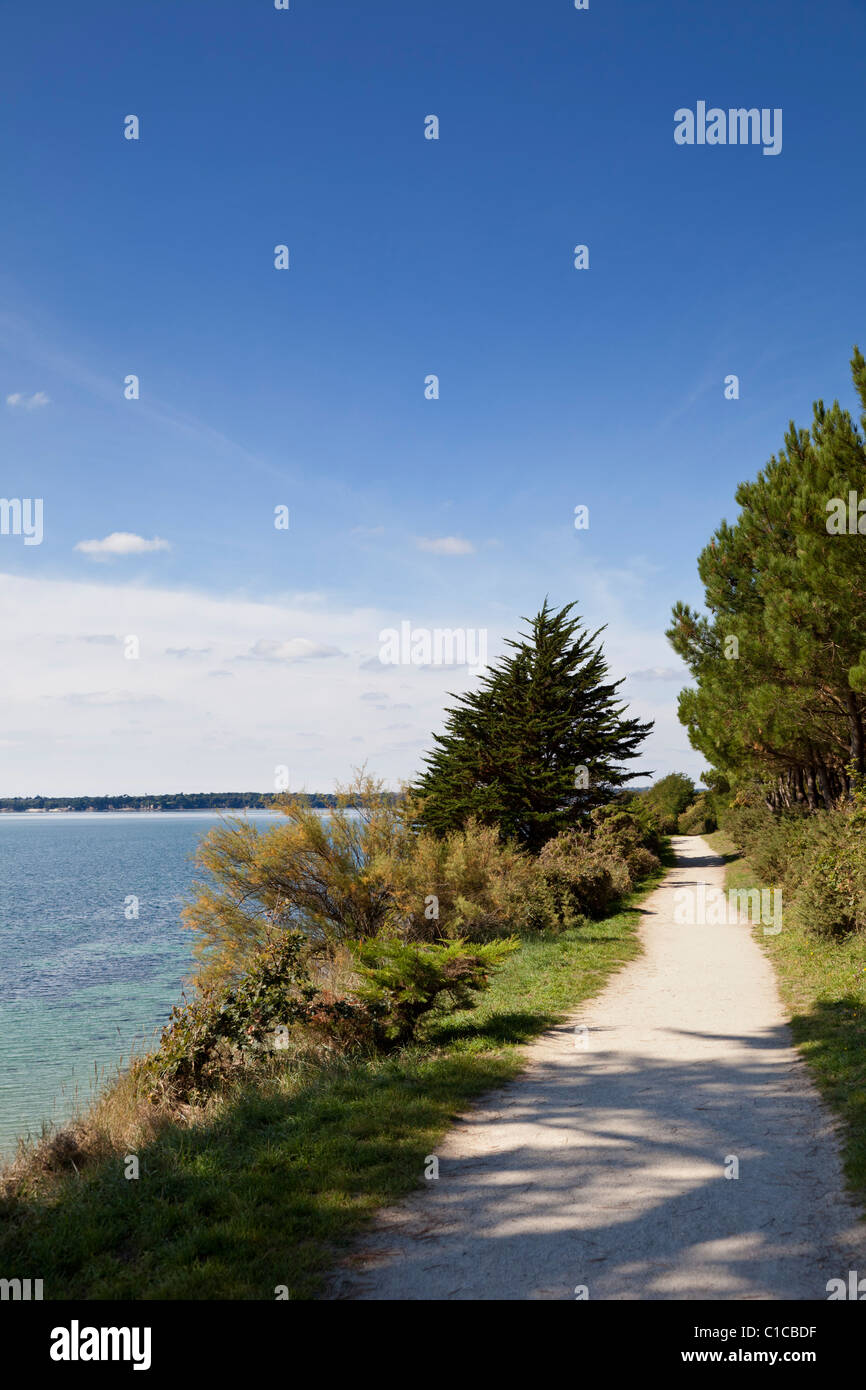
466	884
469	884
573	882
281	998
583	872
773	842
821	862
830	899
621	835
818	859
402	981
581	875
654	824
641	863
363	872
378	873
308	873
698	819
220	1028
666	800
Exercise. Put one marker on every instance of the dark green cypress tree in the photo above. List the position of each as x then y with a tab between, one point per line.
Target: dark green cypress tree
514	749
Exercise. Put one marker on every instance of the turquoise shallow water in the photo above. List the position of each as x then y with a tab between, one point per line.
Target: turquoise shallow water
80	985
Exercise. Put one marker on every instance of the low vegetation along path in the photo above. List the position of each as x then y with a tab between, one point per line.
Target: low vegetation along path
603	1167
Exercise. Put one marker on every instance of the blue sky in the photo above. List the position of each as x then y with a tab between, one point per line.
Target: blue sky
305	387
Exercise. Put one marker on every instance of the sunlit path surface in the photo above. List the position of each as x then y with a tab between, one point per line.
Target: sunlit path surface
603	1167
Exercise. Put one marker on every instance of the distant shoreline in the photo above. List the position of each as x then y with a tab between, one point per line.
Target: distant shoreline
127	810
166	801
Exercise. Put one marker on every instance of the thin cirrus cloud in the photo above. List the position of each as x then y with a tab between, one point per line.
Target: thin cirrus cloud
194	695
102	698
296	649
445	545
17	400
121	543
657	673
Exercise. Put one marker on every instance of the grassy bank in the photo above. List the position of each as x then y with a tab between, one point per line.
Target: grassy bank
287	1170
823	985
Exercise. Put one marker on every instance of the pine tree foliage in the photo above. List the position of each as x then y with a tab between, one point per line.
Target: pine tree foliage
780	662
539	743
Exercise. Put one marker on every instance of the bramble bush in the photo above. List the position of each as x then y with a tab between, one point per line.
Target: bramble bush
220	1028
223	1029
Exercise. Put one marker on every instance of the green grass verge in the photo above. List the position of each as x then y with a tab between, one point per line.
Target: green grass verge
292	1168
823	985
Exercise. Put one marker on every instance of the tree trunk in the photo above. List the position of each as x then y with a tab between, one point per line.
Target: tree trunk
799	789
855	726
824	783
811	794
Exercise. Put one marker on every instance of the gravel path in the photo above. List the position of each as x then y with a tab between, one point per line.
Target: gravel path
603	1166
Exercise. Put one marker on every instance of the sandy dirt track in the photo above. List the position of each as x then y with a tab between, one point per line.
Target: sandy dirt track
604	1165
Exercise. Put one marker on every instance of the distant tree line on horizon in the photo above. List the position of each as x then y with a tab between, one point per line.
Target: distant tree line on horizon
166	801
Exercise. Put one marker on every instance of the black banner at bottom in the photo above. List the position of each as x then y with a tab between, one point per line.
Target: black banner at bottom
170	1340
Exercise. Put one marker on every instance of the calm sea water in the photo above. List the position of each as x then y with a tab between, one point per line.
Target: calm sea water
80	985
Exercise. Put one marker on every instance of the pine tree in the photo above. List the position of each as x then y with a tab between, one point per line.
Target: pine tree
538	744
780	665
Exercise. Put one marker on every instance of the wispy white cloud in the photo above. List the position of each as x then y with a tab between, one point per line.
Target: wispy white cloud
211	722
296	649
445	545
121	543
108	697
18	400
221	721
658	673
